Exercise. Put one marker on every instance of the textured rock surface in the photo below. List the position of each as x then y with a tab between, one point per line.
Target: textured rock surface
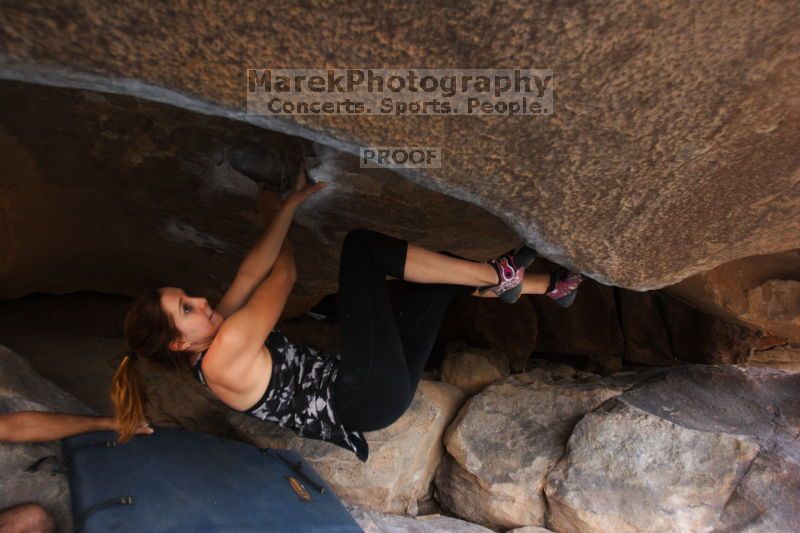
489	323
646	335
375	522
472	369
762	292
505	439
22	389
548	371
698	448
121	193
176	399
702	338
642	177
626	471
402	458
590	326
785	357
775	301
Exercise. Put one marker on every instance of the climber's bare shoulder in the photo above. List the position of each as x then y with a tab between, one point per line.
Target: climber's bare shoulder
236	372
238	359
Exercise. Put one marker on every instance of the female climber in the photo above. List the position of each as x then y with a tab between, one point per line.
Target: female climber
237	352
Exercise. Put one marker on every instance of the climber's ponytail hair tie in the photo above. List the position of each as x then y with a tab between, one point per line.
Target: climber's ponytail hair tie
131	355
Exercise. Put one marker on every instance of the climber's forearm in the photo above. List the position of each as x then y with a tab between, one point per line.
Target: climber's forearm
259	260
30	426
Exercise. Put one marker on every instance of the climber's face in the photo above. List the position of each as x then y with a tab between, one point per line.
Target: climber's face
193	317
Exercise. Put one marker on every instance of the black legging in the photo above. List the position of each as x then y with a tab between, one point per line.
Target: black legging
383	350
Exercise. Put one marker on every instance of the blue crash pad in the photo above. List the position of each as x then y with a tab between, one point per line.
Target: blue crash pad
180	481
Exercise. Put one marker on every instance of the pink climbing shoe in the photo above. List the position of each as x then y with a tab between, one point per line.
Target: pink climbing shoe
510	268
564	286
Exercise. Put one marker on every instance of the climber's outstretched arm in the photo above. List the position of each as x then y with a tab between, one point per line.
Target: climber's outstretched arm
33	426
258	263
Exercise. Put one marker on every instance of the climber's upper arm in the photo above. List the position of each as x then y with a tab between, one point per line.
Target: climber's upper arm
245	331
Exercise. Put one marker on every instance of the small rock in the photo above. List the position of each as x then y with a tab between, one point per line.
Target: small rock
553	372
472	369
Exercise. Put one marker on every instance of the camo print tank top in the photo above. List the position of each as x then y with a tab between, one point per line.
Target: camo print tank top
299	393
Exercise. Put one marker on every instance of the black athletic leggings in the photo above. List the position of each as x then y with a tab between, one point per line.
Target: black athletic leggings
384	350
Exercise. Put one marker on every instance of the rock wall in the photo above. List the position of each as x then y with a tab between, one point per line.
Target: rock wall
761	292
121	193
670	152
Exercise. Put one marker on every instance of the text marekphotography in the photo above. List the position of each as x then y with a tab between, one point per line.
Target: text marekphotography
400	92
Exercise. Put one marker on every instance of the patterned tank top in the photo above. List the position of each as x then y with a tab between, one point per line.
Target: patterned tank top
299	393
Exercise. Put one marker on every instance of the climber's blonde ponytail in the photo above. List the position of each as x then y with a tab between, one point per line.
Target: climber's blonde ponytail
148	331
127	395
